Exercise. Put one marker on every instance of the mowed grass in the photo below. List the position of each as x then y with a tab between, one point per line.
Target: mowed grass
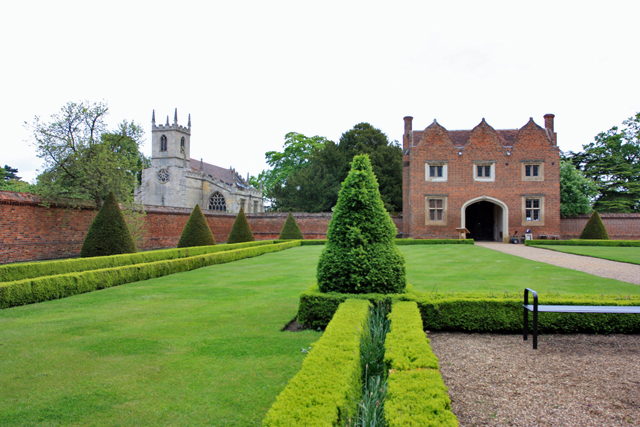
613	253
197	348
205	347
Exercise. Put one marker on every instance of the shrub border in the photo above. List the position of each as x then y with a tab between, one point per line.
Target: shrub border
578	242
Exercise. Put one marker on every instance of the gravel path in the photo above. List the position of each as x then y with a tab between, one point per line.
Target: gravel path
622	271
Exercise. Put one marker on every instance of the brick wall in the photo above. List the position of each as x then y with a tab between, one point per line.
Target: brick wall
32	232
620	226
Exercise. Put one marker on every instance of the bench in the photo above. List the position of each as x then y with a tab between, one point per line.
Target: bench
536	308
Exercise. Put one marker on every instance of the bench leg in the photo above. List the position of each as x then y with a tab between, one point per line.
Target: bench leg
525	329
535	329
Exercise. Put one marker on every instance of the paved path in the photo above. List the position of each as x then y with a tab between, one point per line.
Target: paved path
622	271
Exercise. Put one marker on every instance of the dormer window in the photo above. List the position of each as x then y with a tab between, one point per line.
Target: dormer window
163	143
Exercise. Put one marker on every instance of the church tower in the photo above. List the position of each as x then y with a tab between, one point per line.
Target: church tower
170	143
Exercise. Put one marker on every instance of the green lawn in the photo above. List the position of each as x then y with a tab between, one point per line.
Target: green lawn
613	253
204	347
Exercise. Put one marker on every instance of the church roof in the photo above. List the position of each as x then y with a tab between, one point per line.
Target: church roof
227	176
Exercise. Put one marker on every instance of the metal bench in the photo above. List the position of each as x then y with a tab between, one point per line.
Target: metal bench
535	308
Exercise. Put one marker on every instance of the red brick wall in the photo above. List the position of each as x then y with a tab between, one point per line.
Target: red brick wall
31	232
620	226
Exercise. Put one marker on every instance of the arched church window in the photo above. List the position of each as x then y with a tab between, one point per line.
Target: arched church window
163	143
182	145
217	202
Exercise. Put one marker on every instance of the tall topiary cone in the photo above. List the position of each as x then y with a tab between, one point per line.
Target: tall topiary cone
595	229
108	233
290	229
196	231
240	232
360	255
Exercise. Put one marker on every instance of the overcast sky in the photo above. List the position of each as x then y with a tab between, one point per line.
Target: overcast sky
249	72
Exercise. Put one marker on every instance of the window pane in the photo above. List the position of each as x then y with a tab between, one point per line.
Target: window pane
535	170
536	203
487	171
432	203
527	170
527	203
439	203
432	171
479	171
432	214
439	212
536	215
439	171
528	214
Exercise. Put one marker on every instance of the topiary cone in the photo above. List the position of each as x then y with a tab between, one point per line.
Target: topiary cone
360	255
108	233
290	229
240	232
196	231
594	229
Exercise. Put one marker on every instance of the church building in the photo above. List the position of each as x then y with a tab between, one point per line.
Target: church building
492	182
174	179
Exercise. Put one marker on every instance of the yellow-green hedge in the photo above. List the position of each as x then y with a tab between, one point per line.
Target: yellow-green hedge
324	392
46	288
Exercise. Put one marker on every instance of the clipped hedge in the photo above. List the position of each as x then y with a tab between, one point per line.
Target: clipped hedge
325	390
240	231
27	270
316	308
594	228
416	394
290	229
401	242
483	313
196	231
108	233
578	242
59	286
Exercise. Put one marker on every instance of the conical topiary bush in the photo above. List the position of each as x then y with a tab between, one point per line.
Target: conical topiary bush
594	229
196	231
240	232
108	233
290	229
360	255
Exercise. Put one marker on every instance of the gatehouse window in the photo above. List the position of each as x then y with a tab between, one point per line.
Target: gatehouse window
436	210
435	171
533	210
484	171
182	145
533	171
163	143
217	202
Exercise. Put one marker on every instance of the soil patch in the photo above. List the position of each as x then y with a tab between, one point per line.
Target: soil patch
294	326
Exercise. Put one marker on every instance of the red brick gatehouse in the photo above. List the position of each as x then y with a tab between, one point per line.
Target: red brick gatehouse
492	182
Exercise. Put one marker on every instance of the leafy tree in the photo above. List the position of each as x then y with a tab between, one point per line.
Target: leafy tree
82	159
108	233
594	229
240	232
290	229
613	162
576	191
196	231
360	255
10	181
9	173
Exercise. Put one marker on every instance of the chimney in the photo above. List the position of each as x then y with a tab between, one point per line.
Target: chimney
548	124
408	128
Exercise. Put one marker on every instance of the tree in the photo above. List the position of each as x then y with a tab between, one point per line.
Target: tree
10	181
290	229
594	229
240	232
576	191
81	159
108	233
196	231
613	162
360	255
9	173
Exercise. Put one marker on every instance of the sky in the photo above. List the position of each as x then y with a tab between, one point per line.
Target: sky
249	72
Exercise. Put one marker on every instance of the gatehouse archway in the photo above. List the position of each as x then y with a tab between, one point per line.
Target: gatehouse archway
486	218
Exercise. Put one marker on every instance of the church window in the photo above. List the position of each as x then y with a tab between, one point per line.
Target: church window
532	171
217	202
484	171
182	145
533	210
436	210
163	176
435	171
163	143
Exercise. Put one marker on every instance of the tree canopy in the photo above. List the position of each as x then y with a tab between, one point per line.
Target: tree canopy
613	162
82	159
10	181
576	191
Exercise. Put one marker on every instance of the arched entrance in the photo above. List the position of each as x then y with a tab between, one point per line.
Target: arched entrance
486	219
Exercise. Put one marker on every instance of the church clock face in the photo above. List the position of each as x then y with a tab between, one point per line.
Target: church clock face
163	176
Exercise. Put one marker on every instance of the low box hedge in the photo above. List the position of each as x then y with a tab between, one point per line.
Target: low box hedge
325	390
46	288
401	242
470	312
28	270
578	242
416	394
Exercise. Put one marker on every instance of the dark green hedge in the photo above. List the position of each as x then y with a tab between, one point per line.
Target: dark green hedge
240	231
482	313
59	286
290	229
196	231
108	233
28	270
578	242
401	242
594	228
416	394
325	390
